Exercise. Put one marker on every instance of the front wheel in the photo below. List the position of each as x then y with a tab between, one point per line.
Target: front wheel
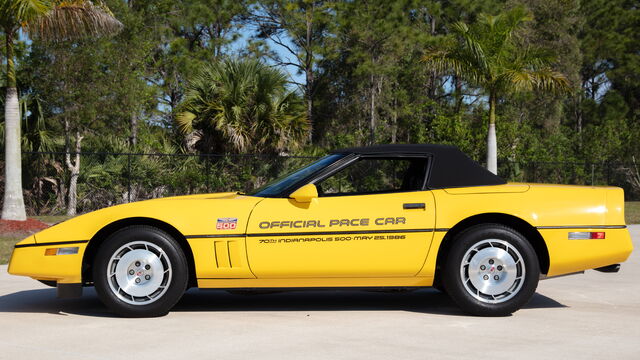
491	270
140	271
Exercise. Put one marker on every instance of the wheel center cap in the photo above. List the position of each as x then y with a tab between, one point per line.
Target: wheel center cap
495	279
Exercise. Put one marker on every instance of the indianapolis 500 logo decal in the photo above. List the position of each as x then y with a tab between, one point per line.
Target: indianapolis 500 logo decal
227	223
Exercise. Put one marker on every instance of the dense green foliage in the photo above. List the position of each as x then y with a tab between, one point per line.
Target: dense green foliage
242	106
488	55
358	76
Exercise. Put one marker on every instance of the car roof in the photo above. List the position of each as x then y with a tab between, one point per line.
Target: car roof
450	166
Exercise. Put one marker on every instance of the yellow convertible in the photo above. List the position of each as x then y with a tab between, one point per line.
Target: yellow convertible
387	216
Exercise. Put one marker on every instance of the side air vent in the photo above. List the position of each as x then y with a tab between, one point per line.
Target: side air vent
227	254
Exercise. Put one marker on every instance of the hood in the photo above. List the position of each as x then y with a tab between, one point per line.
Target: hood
190	215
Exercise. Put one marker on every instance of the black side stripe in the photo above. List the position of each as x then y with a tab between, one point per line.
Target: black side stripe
256	235
582	227
346	232
53	243
215	236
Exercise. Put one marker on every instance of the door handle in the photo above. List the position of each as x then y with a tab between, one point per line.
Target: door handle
409	206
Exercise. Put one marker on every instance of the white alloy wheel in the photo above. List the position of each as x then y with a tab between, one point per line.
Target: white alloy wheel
139	273
492	271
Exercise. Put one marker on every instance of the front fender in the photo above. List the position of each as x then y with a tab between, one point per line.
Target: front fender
192	216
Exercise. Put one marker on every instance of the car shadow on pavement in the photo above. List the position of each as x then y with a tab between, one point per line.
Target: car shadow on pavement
427	301
46	301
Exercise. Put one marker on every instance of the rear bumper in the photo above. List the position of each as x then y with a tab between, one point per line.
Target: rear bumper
569	256
29	259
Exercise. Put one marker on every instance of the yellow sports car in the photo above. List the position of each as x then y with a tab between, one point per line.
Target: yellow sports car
388	216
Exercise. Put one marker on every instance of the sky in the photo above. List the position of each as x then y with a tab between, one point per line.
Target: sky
240	44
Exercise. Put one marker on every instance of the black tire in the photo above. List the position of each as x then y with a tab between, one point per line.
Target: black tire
168	255
474	249
438	285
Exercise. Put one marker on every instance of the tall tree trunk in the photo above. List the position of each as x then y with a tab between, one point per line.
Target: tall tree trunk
492	147
309	97
13	205
458	93
133	125
74	169
372	110
579	116
394	121
431	84
308	91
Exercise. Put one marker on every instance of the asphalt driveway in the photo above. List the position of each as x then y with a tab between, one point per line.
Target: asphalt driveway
590	316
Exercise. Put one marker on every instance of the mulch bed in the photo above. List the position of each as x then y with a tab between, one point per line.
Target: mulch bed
21	228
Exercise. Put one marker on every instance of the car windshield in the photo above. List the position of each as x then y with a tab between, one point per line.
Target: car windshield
276	187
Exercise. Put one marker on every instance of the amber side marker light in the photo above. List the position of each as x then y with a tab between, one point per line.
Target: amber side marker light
61	251
587	235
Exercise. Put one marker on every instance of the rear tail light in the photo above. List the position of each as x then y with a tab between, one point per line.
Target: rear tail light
587	235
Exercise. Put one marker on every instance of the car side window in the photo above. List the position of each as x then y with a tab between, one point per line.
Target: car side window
376	175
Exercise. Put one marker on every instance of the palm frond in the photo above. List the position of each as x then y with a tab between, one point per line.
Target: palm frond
243	105
551	80
457	64
487	55
16	12
68	20
512	19
184	120
526	80
473	49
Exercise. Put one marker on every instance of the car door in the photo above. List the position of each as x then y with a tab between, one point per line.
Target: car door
371	219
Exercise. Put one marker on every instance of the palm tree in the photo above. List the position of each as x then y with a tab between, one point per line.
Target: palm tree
486	55
55	20
243	105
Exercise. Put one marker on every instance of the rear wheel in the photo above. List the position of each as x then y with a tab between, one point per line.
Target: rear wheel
140	271
491	270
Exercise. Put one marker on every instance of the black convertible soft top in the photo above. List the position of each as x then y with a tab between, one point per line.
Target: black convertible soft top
451	167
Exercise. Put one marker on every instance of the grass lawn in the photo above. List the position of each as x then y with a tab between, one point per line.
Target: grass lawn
7	241
52	219
6	246
632	212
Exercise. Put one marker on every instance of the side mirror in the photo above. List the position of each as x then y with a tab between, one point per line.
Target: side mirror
305	194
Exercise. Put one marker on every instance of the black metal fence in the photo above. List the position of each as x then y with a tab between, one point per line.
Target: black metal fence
107	179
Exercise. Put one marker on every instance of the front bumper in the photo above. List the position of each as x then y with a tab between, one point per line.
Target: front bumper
29	259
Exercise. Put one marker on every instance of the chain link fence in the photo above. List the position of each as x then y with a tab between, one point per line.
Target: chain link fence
107	179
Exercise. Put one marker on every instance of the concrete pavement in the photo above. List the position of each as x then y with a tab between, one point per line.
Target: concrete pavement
590	316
